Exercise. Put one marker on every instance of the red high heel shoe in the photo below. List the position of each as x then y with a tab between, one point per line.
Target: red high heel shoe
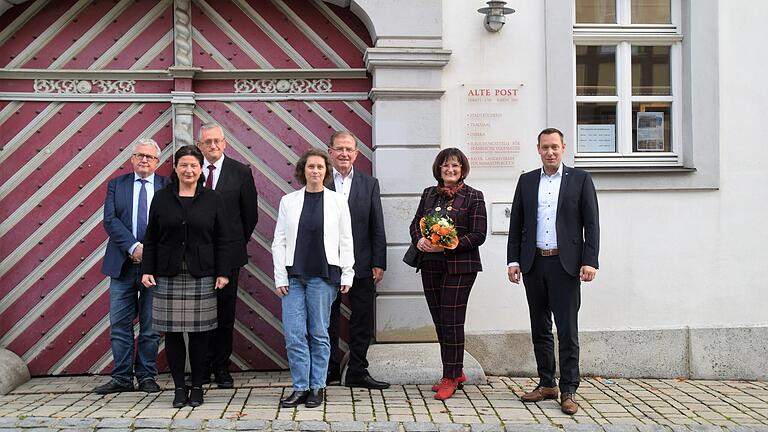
459	381
446	388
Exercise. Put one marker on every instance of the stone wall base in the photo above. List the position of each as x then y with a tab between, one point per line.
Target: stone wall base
739	353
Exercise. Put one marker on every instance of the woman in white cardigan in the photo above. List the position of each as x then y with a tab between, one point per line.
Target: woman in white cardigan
313	257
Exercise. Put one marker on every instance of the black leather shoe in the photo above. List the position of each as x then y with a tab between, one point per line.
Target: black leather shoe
333	377
113	387
315	399
149	386
366	381
224	379
179	397
196	397
295	399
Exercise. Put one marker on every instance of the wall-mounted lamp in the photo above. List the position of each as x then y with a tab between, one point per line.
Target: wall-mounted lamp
494	15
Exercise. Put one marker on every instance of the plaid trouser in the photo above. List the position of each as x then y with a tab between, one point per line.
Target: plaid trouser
447	296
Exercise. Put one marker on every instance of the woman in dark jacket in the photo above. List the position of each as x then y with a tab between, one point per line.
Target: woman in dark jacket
186	258
447	275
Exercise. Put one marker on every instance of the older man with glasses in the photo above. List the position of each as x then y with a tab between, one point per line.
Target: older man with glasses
370	244
126	209
234	181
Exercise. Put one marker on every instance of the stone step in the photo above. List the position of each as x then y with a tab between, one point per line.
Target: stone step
416	363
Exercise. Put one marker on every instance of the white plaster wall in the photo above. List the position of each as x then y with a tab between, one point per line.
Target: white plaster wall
671	258
515	55
743	154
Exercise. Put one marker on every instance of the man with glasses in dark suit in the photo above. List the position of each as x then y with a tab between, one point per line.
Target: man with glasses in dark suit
126	209
234	181
370	243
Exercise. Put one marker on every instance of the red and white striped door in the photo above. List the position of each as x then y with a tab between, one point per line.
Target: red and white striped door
81	80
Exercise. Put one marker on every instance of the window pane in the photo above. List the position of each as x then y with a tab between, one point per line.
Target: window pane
652	127
596	127
650	70
596	70
651	12
596	11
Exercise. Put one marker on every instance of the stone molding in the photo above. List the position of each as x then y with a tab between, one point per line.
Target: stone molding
254	74
283	86
81	74
407	58
378	93
70	86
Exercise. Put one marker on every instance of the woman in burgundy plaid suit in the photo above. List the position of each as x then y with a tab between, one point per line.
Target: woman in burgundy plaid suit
448	274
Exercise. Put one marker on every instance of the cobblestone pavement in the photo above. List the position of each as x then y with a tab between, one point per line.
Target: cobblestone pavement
607	405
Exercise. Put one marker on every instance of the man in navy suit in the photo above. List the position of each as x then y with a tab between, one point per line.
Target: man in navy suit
370	243
234	181
126	210
554	240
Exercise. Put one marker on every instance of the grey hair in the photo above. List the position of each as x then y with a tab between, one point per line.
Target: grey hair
211	125
342	133
147	141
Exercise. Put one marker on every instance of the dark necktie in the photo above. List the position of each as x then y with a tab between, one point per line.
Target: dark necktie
141	212
209	177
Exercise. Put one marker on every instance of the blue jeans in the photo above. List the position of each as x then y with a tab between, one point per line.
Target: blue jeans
306	314
128	298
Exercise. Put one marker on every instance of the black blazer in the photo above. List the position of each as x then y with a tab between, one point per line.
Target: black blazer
578	225
236	187
370	241
471	222
201	236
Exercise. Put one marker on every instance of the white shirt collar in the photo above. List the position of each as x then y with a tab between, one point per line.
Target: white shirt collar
337	174
150	178
217	164
558	173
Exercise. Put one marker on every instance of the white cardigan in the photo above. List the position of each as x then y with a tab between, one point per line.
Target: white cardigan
337	234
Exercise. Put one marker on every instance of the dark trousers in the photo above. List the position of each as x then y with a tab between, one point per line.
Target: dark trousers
220	344
447	296
361	298
552	291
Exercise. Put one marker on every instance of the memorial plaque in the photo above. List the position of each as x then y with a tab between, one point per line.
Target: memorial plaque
491	125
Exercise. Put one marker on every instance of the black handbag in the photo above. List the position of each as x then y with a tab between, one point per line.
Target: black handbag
413	257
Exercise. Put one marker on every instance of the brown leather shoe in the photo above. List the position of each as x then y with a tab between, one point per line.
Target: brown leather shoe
539	394
568	403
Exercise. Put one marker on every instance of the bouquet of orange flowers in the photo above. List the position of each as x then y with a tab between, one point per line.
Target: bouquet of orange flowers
439	230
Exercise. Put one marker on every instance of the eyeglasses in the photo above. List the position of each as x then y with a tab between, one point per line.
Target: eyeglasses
349	150
212	142
142	156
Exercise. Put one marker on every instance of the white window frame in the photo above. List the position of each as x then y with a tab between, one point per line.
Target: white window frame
623	35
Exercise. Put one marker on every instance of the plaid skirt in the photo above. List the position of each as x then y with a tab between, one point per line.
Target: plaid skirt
183	303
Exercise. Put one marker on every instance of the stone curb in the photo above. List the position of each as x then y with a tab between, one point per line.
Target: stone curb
40	424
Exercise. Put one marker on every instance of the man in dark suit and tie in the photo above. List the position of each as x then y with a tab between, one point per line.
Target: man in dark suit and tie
370	243
554	240
234	181
126	209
